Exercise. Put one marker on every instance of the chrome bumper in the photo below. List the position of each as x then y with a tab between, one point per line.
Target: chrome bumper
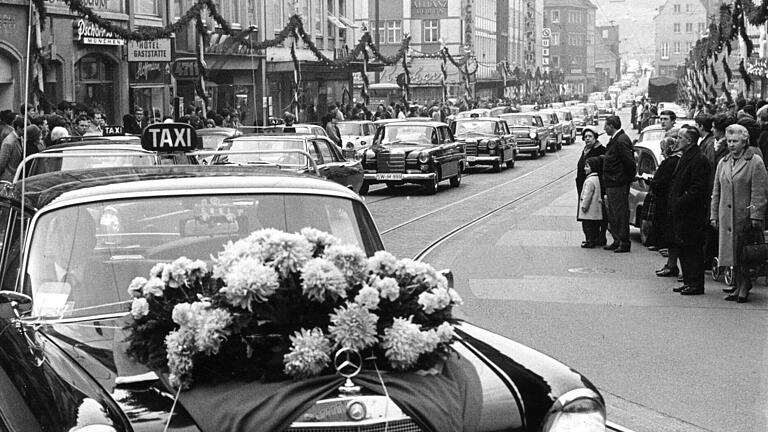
481	160
401	177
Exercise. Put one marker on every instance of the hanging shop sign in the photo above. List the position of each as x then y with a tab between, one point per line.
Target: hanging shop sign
429	9
62	6
149	72
158	50
90	34
185	69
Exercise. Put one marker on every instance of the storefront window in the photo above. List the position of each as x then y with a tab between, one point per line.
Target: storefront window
94	86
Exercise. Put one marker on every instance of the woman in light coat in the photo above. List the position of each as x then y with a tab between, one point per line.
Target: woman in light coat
738	203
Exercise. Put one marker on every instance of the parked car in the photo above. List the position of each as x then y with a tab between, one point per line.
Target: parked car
330	162
420	152
605	108
530	132
213	137
569	128
63	361
555	129
355	135
580	116
487	141
477	112
648	157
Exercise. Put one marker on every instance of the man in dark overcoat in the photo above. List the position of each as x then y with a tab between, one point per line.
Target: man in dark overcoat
619	170
688	205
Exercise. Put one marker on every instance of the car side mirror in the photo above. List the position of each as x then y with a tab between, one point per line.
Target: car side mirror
14	304
448	275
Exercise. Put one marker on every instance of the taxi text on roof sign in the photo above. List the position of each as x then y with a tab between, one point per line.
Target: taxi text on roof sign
169	137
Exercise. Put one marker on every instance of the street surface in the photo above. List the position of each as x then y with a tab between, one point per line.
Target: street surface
662	361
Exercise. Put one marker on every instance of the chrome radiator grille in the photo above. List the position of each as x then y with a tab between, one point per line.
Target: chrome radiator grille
405	425
390	162
471	148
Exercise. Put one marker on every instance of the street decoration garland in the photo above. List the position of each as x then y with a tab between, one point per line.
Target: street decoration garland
277	305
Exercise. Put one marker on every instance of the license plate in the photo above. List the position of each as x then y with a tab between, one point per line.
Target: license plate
471	158
392	176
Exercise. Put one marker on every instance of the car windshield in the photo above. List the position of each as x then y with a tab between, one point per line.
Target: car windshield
653	135
107	158
483	127
83	258
212	142
288	159
351	129
408	134
520	120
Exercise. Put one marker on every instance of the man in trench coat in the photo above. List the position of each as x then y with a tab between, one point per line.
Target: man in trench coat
688	204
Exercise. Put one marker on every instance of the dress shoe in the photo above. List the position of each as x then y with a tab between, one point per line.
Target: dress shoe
653	248
667	271
587	245
664	252
729	289
612	246
624	248
743	299
679	289
731	297
692	291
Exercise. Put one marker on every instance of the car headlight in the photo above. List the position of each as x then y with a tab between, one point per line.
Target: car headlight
492	144
578	410
423	157
532	134
350	145
369	155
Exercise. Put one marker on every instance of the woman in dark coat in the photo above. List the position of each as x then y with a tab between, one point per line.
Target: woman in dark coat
661	234
592	148
738	203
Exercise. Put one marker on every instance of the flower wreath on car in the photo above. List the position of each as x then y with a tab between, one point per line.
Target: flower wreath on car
278	305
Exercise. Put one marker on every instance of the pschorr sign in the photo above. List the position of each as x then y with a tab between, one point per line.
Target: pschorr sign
91	34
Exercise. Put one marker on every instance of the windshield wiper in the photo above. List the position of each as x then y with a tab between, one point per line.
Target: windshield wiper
402	142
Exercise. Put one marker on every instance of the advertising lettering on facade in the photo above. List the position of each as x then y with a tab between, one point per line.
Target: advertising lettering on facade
97	5
467	7
91	34
149	51
149	72
546	33
429	9
7	23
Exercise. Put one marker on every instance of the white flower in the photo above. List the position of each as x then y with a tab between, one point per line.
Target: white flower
179	345
353	327
445	332
403	343
410	272
157	270
350	259
368	297
382	263
139	308
287	252
309	354
232	253
136	287
211	330
455	297
183	314
154	287
321	279
183	271
434	300
388	288
249	280
319	239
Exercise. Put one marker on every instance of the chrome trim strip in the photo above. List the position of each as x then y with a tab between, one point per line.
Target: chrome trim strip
77	153
428	176
618	428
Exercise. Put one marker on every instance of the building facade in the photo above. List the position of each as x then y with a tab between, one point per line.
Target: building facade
13	42
679	25
607	58
572	42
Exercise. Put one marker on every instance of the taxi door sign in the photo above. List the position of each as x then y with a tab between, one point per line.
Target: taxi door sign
169	137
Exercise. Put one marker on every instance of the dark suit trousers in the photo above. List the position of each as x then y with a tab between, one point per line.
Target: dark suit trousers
692	265
618	213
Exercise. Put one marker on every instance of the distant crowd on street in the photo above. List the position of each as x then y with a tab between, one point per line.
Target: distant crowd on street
706	200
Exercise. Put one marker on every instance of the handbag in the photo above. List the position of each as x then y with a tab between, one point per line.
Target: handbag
648	210
755	251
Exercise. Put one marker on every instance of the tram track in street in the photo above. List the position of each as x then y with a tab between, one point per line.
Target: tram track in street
481	193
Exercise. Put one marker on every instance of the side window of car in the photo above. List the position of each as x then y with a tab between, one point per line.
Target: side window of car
435	139
10	236
325	152
646	163
539	122
447	134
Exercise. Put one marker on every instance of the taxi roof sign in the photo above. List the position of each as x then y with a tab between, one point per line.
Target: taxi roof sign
113	131
169	137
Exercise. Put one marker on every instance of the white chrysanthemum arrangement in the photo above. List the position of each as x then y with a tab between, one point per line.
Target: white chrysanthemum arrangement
277	304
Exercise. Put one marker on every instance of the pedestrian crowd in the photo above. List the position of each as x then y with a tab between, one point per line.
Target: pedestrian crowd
706	201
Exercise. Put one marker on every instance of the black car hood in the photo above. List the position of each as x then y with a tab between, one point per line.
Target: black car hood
404	148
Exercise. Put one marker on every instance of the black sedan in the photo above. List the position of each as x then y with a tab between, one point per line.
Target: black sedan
63	365
487	141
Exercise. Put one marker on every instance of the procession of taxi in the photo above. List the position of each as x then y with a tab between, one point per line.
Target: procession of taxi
77	311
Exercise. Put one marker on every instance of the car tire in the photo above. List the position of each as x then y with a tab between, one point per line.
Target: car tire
364	189
645	231
456	180
544	151
511	163
559	145
716	272
496	167
535	155
728	276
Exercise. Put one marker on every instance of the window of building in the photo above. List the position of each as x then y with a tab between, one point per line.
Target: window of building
555	61
431	30
574	17
702	27
676	8
94	84
146	7
394	32
555	16
664	50
555	39
605	33
688	8
688	46
676	27
317	16
676	47
689	27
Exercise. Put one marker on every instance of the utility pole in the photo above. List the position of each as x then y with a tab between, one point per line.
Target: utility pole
377	36
263	66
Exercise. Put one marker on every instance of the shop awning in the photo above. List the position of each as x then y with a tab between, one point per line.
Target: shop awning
335	21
